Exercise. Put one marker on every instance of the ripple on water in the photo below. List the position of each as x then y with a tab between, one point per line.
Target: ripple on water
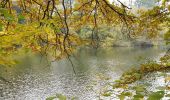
36	82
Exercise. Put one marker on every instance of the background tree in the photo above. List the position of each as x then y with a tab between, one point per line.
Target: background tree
52	25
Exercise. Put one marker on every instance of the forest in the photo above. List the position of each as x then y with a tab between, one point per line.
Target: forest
84	49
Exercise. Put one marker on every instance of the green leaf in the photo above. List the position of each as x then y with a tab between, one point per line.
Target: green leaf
51	98
61	97
156	95
137	76
124	94
107	94
9	17
138	96
3	11
140	88
117	81
163	2
57	96
121	97
21	17
1	27
127	94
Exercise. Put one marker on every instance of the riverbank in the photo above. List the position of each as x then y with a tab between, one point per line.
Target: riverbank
130	85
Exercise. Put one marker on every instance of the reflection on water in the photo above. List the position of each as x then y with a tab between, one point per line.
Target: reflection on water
35	79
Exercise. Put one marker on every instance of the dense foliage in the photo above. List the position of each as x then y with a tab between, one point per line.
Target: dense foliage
56	25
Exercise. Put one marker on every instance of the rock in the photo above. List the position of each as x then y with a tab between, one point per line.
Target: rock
142	44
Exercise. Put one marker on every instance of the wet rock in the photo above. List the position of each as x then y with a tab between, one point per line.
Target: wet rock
142	44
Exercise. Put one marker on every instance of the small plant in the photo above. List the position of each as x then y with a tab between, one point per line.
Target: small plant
57	96
136	74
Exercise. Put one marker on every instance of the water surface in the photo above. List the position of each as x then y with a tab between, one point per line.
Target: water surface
34	78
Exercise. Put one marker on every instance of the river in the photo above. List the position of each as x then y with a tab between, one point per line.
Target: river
34	78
